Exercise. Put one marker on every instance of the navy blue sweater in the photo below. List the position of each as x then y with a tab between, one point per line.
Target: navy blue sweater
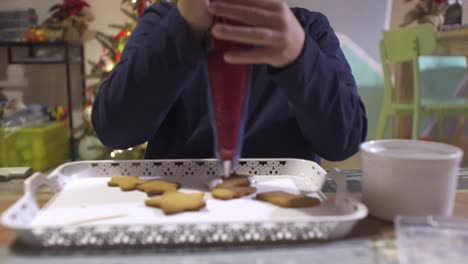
157	93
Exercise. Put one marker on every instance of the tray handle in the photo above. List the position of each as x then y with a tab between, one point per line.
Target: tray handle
342	194
32	184
26	208
343	198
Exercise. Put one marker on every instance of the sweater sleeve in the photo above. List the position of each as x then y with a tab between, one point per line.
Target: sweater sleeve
322	91
159	59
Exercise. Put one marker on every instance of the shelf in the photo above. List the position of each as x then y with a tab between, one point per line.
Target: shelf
39	44
67	59
42	61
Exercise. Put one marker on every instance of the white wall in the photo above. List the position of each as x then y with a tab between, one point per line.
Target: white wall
361	20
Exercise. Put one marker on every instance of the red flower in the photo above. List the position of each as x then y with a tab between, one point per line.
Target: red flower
68	8
122	34
118	56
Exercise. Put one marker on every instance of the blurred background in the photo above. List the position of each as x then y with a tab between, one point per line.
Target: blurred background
54	54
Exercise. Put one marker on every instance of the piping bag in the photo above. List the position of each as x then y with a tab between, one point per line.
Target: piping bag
228	100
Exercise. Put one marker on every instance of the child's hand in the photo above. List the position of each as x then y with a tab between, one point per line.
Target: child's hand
270	25
195	12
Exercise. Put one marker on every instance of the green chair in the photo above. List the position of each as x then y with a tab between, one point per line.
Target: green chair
407	45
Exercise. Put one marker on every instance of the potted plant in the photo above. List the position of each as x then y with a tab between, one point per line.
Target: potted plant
427	11
69	20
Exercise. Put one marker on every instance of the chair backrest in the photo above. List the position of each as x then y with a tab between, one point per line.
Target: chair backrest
406	44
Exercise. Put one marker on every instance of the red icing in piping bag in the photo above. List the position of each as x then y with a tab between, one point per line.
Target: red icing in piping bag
229	88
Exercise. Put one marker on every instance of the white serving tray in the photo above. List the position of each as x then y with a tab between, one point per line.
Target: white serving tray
85	212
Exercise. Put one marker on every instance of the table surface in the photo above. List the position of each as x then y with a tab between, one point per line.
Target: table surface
452	34
371	241
452	43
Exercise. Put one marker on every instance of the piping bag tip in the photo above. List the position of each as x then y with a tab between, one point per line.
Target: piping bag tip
212	183
227	168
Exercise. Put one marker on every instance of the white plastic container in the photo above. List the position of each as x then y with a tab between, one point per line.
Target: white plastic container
432	240
406	177
16	78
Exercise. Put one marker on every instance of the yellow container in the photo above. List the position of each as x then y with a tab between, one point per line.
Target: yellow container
40	148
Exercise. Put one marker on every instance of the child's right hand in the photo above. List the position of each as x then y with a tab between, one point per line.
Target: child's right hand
195	13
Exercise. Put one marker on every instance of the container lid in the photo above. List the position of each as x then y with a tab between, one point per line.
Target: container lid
411	150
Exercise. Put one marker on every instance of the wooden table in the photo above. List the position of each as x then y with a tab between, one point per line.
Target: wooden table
452	43
449	43
371	241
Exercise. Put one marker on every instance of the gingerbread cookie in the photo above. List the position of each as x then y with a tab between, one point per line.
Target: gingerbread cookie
235	181
284	199
177	202
229	193
155	187
126	183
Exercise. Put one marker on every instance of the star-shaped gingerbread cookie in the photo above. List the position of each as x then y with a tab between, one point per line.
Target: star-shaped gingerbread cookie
177	202
126	183
288	200
156	187
229	193
235	181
